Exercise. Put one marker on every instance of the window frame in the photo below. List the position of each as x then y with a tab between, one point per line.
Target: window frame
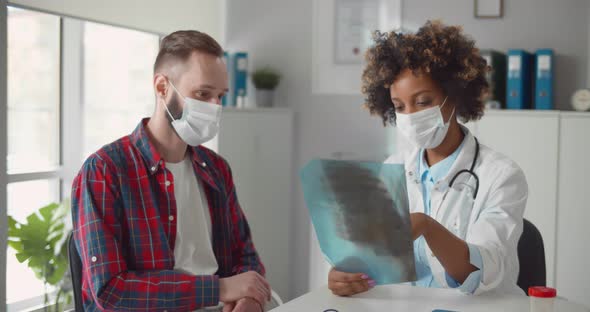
3	150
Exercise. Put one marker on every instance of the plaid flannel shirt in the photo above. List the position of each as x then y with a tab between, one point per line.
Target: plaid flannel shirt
124	216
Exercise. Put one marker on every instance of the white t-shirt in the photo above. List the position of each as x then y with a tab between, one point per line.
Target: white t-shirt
193	251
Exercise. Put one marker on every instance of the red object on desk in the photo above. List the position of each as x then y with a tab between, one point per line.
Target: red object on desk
542	292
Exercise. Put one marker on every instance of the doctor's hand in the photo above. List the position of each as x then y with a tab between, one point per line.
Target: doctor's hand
420	224
348	284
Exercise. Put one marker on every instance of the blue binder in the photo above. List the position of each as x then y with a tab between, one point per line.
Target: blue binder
544	79
225	101
240	77
519	82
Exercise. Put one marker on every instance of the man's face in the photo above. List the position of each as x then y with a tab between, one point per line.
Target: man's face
204	77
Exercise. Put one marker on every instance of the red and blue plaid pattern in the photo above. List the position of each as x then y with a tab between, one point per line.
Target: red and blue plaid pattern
124	215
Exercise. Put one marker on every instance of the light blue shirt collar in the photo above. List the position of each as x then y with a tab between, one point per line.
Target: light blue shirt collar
440	169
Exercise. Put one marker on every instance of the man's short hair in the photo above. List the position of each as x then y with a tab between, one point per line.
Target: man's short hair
178	47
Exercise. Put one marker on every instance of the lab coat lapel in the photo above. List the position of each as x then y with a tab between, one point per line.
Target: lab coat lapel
413	183
441	207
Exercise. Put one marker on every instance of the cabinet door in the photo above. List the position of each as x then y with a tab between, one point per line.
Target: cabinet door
531	140
573	253
258	146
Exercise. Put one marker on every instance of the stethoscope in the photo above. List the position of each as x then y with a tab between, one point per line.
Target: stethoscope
470	170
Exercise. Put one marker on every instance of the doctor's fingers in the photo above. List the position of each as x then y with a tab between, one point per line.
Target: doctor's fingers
339	276
349	288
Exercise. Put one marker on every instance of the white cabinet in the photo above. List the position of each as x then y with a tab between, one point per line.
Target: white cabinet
258	144
553	149
530	138
573	275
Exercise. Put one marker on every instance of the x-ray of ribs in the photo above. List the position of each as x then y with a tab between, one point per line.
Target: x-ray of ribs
365	212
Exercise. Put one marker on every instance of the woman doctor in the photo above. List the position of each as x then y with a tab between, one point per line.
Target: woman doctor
466	200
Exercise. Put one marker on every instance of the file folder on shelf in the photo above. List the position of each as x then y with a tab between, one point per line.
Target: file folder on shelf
519	81
496	77
544	79
240	77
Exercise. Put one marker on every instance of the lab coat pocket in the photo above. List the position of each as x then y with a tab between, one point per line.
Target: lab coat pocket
459	206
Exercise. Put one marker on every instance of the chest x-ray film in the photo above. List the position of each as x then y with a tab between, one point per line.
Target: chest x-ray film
360	214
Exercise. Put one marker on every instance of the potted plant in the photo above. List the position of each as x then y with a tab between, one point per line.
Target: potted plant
41	242
265	80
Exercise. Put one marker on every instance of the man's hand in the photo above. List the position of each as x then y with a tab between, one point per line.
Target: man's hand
248	305
348	284
243	305
228	307
249	284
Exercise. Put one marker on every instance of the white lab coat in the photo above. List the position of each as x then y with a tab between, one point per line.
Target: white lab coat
492	222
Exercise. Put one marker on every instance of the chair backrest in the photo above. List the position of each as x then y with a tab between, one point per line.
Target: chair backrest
531	255
76	272
274	302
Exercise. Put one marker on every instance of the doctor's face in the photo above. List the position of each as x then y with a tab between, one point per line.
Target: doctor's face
412	93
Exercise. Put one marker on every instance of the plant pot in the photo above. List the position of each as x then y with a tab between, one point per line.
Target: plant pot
264	97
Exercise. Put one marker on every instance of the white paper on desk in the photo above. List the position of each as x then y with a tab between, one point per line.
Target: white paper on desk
360	213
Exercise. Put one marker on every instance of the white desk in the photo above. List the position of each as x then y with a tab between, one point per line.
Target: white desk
408	298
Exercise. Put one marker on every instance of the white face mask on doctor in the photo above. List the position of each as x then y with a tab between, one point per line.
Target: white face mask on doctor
426	128
199	122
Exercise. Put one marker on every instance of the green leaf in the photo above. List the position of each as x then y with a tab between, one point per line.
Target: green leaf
16	245
266	78
38	262
59	268
13	227
33	238
41	243
12	222
35	229
22	257
48	211
57	227
55	239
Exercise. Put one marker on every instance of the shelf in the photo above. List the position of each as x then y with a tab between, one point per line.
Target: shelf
521	112
235	110
534	113
575	114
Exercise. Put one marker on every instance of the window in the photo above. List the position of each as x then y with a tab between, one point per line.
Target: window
62	69
33	91
33	59
117	82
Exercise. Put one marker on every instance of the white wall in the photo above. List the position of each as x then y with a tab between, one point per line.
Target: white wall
149	15
324	124
279	33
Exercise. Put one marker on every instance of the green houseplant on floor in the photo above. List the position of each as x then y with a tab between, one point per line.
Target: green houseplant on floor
41	242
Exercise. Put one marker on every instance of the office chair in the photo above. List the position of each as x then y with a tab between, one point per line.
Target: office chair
531	256
76	273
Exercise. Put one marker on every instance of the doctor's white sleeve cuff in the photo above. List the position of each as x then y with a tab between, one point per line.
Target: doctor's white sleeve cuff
472	281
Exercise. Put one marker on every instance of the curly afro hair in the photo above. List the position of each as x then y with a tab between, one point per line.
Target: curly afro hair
443	52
